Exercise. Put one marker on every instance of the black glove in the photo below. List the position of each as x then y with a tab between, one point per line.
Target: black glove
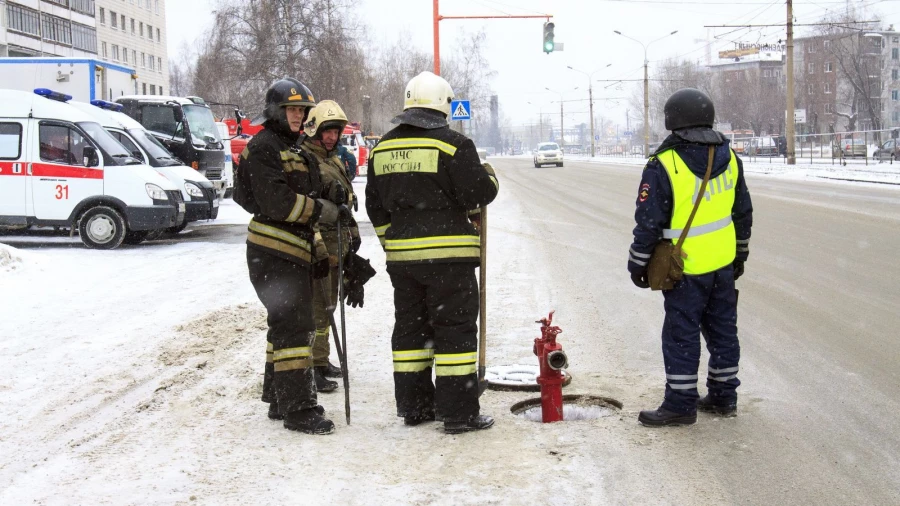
355	243
640	279
738	269
355	294
357	270
321	268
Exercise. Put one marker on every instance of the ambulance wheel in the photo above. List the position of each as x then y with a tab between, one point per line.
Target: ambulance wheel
102	227
136	236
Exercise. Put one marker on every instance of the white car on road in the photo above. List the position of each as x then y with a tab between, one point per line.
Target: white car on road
547	153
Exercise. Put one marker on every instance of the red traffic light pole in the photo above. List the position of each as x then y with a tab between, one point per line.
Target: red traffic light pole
437	30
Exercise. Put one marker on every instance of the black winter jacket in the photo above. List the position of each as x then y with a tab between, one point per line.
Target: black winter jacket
421	183
276	184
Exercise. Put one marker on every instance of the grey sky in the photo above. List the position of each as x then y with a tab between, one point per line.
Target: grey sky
586	27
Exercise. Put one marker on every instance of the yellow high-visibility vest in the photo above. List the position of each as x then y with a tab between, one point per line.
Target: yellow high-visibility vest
710	243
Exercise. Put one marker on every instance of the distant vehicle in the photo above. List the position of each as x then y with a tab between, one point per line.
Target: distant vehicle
890	150
548	153
848	148
353	139
85	79
482	154
761	146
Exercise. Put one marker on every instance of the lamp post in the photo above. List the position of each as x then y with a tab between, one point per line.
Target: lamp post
646	86
561	128
590	98
541	119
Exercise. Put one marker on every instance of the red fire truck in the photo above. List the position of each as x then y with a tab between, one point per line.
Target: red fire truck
354	141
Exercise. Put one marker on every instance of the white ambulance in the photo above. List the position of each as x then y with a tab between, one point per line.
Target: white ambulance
59	167
200	199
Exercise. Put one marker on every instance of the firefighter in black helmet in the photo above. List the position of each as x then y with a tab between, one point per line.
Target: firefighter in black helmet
277	185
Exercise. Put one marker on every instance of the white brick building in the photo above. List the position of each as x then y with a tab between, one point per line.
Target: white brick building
133	33
48	28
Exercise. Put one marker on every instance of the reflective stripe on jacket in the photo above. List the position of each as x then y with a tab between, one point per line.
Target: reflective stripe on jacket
710	243
421	184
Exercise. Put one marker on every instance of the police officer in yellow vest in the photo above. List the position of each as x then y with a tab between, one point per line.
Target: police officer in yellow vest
423	179
717	245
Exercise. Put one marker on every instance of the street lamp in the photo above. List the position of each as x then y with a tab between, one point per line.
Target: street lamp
590	98
646	86
541	127
562	134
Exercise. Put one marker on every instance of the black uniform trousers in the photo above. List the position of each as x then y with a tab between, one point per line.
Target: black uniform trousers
706	301
436	314
285	289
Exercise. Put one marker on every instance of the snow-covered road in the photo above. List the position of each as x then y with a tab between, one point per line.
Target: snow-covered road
133	376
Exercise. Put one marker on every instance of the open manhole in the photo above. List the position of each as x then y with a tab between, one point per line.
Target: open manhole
575	407
520	378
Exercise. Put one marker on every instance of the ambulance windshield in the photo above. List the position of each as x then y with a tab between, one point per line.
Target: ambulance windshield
113	152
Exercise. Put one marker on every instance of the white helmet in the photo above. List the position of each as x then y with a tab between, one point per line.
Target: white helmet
326	114
428	91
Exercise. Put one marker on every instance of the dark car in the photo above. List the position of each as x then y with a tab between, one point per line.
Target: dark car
889	151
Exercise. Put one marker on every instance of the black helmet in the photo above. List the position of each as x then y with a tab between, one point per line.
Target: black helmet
689	107
282	93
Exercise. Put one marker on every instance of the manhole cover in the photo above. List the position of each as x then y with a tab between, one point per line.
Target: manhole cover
575	407
517	377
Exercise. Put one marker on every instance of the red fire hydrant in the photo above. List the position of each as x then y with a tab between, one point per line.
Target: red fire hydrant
552	360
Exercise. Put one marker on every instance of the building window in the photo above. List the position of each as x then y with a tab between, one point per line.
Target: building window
150	31
122	17
113	19
160	86
115	52
153	89
84	37
102	16
152	62
134	56
767	73
828	109
828	67
125	54
103	48
810	48
158	39
82	6
159	64
62	3
22	19
895	95
132	26
141	32
156	4
812	68
809	89
826	44
143	60
827	87
895	74
56	29
144	89
895	54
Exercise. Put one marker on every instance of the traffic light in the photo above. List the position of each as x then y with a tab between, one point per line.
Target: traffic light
548	37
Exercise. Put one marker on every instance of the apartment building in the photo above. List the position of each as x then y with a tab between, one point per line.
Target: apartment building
849	80
30	28
133	33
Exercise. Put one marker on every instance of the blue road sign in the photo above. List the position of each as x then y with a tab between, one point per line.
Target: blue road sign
460	110
628	133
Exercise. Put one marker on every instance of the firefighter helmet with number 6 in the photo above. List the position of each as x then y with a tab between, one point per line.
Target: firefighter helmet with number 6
326	114
428	91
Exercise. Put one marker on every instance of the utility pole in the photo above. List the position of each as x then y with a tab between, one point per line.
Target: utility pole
591	99
789	119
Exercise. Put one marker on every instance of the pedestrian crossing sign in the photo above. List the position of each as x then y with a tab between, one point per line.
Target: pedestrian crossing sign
460	110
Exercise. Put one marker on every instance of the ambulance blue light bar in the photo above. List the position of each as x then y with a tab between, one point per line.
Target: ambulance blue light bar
109	106
52	95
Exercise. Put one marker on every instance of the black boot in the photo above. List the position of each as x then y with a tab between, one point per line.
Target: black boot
275	415
308	421
323	384
661	417
708	405
479	422
330	371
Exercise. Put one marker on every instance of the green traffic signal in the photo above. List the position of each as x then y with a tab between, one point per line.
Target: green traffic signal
549	45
